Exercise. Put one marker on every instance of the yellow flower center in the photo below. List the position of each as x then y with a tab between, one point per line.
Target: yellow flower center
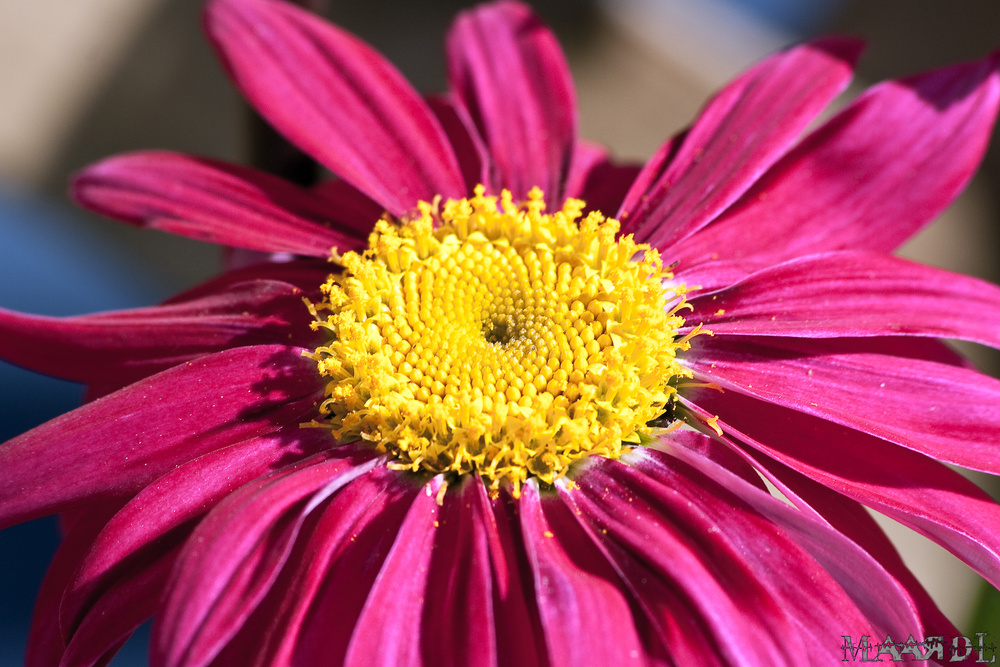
491	338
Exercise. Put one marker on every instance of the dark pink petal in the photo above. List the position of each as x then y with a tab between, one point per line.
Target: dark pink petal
951	414
519	631
738	136
883	600
233	556
271	634
162	514
578	594
868	179
354	211
400	591
117	444
911	488
213	201
854	294
46	641
457	626
337	99
472	154
506	68
594	178
320	636
759	595
852	520
126	605
130	344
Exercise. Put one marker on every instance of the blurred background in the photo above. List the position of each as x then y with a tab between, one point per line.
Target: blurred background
84	79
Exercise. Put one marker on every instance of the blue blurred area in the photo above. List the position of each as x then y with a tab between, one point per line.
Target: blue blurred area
51	263
794	16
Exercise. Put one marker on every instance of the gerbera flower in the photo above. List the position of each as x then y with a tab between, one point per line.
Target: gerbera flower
504	428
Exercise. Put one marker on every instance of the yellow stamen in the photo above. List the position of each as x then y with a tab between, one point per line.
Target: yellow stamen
492	338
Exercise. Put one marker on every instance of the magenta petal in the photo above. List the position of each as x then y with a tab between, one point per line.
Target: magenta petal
874	591
115	616
868	179
759	596
469	148
909	487
117	444
594	178
354	555
212	201
399	592
738	136
579	596
949	413
854	294
160	515
457	624
127	345
337	99
233	556
507	70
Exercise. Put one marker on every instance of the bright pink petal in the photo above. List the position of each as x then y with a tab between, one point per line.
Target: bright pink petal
337	99
951	414
130	344
854	294
885	601
326	632
909	487
506	68
364	510
758	594
472	154
126	605
594	178
457	626
117	444
579	596
161	515
233	556
738	136
399	592
212	201
868	179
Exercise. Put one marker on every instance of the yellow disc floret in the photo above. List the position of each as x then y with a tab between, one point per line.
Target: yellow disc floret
490	338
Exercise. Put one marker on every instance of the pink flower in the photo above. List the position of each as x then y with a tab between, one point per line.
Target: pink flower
621	519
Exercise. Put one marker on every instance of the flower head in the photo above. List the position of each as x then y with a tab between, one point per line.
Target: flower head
512	403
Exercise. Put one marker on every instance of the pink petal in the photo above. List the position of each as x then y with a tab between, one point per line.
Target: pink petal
849	294
400	591
127	345
738	136
469	148
212	201
457	626
162	513
355	560
868	179
506	68
950	414
885	601
579	596
232	558
758	595
117	444
337	99
909	487
272	633
594	178
126	605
